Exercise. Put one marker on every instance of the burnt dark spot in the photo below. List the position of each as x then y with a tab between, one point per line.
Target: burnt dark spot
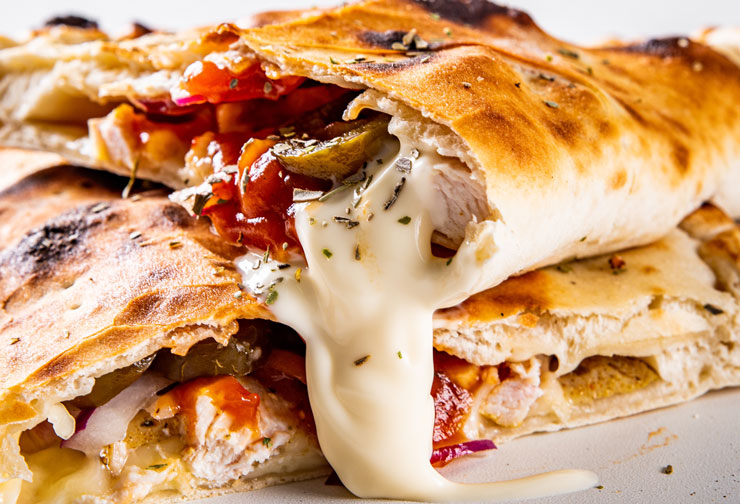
396	66
57	241
389	38
384	39
175	215
662	47
74	21
140	29
472	12
554	364
713	309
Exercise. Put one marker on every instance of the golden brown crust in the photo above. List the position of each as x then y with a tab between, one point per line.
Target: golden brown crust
614	145
673	91
528	293
707	222
106	276
609	284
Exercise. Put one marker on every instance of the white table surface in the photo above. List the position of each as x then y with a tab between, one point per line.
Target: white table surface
700	439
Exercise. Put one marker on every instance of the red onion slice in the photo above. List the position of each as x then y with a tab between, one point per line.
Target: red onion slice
163	107
109	423
184	101
446	454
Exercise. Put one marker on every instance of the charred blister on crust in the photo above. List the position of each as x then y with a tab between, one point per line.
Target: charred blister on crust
663	47
679	48
390	39
472	12
57	241
389	67
175	215
73	21
384	39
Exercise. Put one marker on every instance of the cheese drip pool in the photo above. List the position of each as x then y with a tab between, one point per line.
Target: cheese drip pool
364	304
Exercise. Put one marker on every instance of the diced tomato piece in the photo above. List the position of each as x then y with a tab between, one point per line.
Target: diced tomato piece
285	373
288	363
204	81
256	209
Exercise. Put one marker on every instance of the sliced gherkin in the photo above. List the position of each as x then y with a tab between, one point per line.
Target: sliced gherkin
243	353
338	157
108	386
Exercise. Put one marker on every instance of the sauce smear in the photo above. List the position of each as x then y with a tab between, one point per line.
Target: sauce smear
226	394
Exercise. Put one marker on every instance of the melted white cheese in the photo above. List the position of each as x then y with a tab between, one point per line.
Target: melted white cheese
368	330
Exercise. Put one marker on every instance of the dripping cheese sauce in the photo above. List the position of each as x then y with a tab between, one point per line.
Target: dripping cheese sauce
364	303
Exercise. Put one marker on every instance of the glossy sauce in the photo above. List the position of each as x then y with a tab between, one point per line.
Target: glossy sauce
255	208
204	81
364	305
226	394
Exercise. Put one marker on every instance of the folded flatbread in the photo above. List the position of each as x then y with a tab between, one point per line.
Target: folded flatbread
578	343
91	284
608	336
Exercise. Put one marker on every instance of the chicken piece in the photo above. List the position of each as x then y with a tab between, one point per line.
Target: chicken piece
462	199
509	402
224	444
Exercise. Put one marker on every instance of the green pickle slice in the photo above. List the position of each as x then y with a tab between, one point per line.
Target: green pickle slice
339	156
243	353
110	385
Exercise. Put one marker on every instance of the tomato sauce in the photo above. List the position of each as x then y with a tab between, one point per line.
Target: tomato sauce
225	116
204	82
451	407
226	394
255	208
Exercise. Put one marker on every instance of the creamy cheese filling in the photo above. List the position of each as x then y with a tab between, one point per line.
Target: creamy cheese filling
363	301
159	453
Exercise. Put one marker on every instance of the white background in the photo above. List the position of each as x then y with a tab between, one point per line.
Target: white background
582	21
700	439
